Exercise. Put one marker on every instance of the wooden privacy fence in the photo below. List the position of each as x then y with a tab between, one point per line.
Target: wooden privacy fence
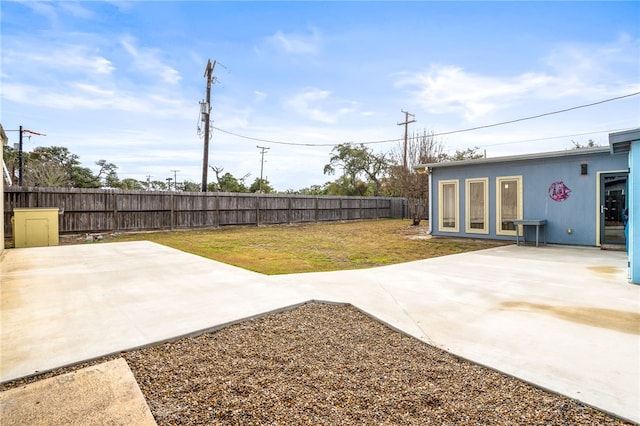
100	210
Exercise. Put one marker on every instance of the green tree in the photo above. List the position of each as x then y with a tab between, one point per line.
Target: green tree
156	185
360	165
57	154
83	177
227	182
50	166
313	190
188	186
107	174
261	186
57	166
465	154
345	186
129	184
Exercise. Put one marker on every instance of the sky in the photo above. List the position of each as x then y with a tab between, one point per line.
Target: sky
122	80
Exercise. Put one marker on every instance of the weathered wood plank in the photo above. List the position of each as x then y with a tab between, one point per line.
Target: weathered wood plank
100	210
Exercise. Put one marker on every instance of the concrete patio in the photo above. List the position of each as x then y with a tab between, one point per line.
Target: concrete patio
563	318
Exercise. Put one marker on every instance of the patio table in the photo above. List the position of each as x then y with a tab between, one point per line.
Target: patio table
538	223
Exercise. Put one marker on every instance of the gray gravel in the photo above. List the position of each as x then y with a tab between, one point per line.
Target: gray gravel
328	364
325	364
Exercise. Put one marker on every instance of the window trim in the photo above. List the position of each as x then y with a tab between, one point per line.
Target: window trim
468	228
519	207
441	185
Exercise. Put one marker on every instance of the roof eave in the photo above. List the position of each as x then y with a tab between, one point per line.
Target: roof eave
620	142
523	157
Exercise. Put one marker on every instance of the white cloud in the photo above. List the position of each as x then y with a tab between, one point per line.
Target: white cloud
298	44
46	9
580	71
317	105
76	10
450	89
60	58
595	70
51	9
259	96
93	89
83	96
148	61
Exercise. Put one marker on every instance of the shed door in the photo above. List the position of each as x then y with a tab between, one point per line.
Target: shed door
37	232
613	208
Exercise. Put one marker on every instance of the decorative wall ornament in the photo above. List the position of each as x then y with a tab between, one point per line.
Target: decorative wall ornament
558	191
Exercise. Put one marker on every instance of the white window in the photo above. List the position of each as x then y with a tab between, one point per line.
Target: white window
477	205
448	206
508	203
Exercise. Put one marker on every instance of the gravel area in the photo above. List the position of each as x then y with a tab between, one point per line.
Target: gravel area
326	364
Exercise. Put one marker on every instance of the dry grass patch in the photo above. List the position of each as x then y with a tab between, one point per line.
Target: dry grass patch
314	247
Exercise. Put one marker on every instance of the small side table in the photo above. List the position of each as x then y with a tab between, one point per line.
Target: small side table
538	223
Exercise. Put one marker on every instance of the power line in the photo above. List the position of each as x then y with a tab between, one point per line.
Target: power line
553	137
294	143
538	116
434	134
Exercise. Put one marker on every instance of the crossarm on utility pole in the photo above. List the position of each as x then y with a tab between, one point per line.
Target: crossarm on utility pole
406	123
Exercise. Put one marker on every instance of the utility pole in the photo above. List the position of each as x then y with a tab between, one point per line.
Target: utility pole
20	164
205	111
405	123
175	178
20	159
262	149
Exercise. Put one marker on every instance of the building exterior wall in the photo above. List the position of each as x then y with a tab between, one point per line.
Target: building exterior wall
575	207
3	140
634	212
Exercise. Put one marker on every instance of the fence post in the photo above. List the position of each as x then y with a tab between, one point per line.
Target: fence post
217	210
114	198
257	209
171	216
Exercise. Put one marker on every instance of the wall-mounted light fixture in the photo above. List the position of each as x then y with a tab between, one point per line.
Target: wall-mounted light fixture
583	169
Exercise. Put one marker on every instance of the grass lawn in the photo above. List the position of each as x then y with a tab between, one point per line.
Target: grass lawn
317	247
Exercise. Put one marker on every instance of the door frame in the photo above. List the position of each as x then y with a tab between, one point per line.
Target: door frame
599	213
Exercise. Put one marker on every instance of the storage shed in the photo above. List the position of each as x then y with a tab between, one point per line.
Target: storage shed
579	196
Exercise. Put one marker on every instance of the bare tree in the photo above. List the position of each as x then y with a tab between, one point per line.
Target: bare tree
405	182
46	174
